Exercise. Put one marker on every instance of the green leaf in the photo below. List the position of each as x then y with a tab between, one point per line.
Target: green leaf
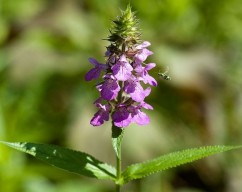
67	159
140	170
117	136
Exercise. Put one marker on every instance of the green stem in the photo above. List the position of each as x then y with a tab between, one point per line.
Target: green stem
117	136
117	188
118	168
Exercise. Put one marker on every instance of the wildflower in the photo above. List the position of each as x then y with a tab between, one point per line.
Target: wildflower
121	117
125	73
136	91
122	69
102	115
110	88
142	53
142	74
95	72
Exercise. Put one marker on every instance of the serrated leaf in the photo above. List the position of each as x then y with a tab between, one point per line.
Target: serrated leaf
67	159
140	170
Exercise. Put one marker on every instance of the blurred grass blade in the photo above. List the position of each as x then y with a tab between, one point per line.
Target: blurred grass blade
67	159
140	170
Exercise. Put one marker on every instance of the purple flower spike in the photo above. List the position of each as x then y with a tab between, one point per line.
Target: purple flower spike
121	88
94	73
122	69
109	89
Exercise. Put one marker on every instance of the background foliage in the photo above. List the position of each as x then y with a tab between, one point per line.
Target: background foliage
44	51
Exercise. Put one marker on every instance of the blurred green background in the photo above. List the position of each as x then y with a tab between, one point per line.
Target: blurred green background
44	51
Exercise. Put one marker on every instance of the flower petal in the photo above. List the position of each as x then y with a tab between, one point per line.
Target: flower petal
146	105
94	73
99	118
109	89
143	45
149	66
142	55
122	69
141	118
93	61
121	117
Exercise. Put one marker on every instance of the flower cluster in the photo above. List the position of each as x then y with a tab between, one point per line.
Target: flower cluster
121	93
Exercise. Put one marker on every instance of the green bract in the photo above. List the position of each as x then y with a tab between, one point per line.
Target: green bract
125	28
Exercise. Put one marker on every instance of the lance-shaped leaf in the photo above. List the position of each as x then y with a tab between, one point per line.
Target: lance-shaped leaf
67	159
137	171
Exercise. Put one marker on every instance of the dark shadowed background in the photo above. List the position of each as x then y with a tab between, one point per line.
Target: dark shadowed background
44	51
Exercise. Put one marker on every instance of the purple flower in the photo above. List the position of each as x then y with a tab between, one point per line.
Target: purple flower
142	73
136	91
94	73
143	53
122	69
143	45
102	115
138	116
121	117
108	53
126	114
145	105
109	88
